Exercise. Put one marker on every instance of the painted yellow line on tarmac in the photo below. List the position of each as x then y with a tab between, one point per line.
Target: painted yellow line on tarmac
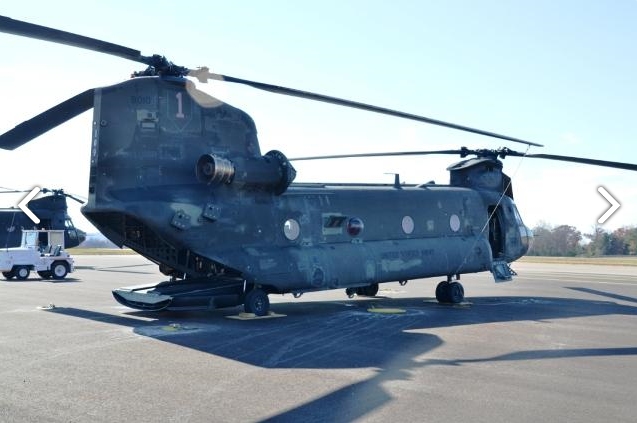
384	310
252	316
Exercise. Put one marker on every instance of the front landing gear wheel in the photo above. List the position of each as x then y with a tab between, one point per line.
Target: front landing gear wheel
257	302
450	292
456	293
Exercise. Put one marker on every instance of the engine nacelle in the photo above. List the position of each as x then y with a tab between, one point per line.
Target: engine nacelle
272	172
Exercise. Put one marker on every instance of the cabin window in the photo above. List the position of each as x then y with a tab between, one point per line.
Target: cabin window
454	223
291	229
408	224
333	223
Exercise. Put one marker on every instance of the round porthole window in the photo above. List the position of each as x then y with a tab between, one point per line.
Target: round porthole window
355	226
408	224
291	229
454	222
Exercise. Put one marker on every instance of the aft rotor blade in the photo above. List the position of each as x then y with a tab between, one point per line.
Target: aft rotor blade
203	75
72	197
26	29
388	154
61	192
595	162
47	120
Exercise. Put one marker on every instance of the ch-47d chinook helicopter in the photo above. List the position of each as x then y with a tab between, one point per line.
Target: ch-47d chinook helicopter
178	176
51	209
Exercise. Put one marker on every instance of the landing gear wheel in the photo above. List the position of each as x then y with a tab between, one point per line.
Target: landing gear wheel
257	302
350	292
21	272
59	270
441	292
8	275
456	293
368	291
450	292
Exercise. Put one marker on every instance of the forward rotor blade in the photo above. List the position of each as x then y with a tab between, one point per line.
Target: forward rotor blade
595	162
399	153
203	75
47	120
26	29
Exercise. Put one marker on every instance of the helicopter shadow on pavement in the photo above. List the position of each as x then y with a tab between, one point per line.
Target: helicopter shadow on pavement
345	335
340	334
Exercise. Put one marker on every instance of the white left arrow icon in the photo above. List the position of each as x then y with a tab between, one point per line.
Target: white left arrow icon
614	205
23	205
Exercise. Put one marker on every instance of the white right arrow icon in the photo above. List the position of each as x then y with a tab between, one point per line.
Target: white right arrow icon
614	205
23	205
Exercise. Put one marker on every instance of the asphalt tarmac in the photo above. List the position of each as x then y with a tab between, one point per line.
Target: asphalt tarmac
557	344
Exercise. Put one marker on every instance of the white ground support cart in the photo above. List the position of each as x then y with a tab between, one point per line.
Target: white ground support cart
41	251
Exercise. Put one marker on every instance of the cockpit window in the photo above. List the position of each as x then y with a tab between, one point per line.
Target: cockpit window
516	214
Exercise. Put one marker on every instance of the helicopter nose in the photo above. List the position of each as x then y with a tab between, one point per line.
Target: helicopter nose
526	235
81	235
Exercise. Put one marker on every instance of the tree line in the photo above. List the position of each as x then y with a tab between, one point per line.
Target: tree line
568	241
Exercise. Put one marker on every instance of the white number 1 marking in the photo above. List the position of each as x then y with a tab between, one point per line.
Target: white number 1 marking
180	106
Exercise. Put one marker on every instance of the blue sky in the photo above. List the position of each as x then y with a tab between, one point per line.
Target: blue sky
558	73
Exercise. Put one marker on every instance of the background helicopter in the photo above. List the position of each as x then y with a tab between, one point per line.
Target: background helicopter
52	211
194	214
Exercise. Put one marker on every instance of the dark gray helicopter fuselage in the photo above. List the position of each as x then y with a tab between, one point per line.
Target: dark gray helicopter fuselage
52	212
236	212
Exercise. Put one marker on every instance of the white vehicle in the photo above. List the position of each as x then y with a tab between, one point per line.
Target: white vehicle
41	251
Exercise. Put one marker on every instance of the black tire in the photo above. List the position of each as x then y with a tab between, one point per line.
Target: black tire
442	292
8	275
46	274
59	270
21	272
368	291
257	302
455	293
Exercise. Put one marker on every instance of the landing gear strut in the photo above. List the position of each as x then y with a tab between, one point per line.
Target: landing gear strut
450	291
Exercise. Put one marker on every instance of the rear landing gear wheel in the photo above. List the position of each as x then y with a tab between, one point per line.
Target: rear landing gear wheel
450	292
257	302
368	291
